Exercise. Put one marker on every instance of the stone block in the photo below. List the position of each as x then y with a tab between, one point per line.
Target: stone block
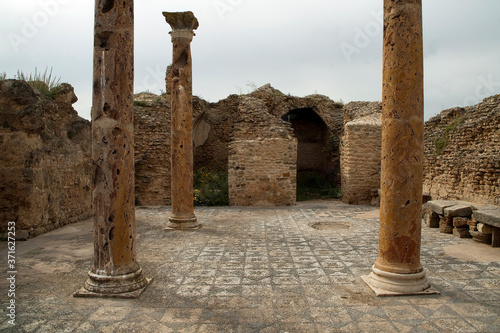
445	227
461	233
480	237
438	206
488	216
458	210
460	222
484	228
431	219
472	223
495	237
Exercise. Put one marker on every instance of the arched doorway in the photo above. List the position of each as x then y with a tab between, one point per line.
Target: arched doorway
315	178
312	136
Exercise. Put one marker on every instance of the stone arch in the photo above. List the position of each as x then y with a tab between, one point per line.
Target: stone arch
313	136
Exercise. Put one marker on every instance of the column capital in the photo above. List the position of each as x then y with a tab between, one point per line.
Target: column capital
181	21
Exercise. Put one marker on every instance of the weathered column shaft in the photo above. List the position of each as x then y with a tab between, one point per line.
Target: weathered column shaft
402	138
115	270
182	216
397	270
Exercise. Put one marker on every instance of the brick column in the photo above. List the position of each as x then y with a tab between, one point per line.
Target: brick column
115	272
182	25
398	271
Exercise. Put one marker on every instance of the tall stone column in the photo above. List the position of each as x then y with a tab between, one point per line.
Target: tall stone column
115	272
398	271
182	25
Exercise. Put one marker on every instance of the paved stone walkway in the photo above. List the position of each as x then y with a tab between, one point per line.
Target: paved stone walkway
254	270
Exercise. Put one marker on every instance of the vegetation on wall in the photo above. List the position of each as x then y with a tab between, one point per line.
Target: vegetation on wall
312	185
441	142
45	83
210	187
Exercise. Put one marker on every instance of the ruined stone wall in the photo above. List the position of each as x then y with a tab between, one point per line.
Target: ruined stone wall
262	158
152	147
462	153
361	152
212	131
152	150
45	172
360	171
212	134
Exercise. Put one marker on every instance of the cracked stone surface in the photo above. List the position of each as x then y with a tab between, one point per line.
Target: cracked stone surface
253	270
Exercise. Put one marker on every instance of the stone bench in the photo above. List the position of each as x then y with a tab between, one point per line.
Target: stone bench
488	219
464	220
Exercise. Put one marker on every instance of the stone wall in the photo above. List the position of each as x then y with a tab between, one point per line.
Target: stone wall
462	153
212	131
152	147
45	167
262	158
152	150
361	152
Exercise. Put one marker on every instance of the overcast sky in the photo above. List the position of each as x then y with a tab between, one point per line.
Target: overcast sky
330	47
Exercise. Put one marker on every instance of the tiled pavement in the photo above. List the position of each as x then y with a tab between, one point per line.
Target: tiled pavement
254	270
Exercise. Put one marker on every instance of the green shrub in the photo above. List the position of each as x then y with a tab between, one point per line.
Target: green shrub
210	187
440	143
44	83
312	185
140	103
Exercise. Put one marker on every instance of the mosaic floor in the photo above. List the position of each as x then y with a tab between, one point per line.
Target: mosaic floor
295	269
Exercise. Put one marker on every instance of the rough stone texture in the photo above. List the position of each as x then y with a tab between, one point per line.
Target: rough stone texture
262	158
460	222
360	155
431	218
181	124
462	232
356	110
44	160
115	270
402	139
462	153
488	216
458	210
152	147
438	206
152	150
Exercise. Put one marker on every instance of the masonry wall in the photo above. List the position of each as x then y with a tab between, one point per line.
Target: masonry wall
212	132
360	163
262	165
462	153
262	172
45	169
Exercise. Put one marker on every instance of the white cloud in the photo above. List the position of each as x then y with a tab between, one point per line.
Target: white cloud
294	45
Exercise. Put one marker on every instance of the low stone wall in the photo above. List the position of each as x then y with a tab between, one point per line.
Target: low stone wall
45	167
262	172
361	153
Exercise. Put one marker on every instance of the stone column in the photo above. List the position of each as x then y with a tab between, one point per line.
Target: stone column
115	272
398	271
182	34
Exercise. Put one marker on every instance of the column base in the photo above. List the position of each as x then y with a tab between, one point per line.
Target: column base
394	284
176	223
123	286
